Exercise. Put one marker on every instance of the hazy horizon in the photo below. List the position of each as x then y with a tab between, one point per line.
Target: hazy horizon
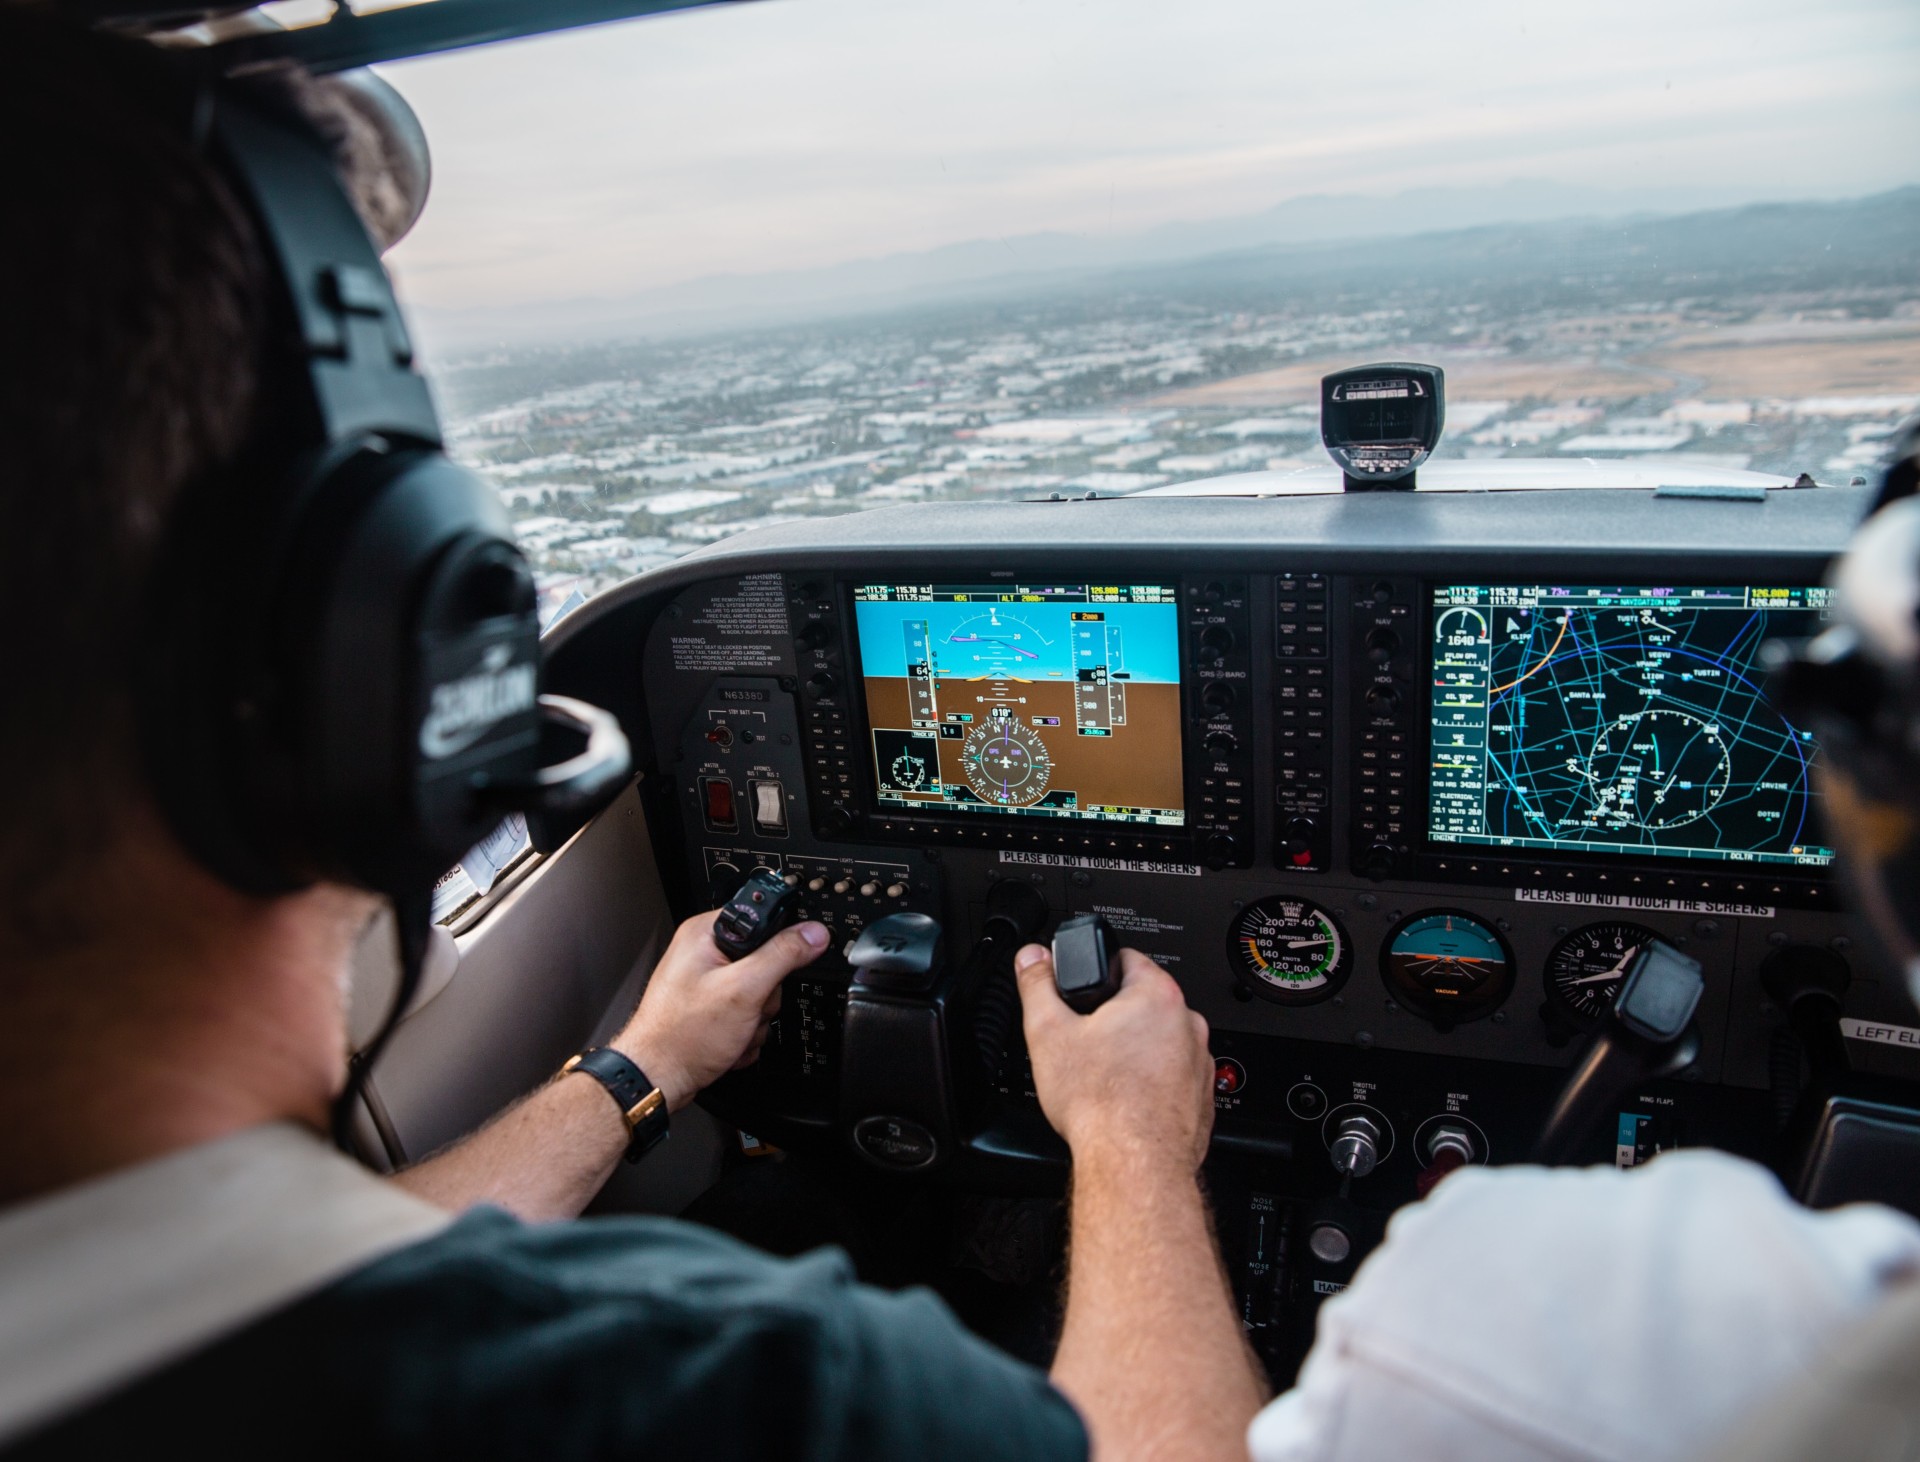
799	135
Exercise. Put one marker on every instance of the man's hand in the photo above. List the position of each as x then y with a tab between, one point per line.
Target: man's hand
1134	1077
703	1016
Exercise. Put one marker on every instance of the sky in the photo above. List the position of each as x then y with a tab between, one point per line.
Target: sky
790	134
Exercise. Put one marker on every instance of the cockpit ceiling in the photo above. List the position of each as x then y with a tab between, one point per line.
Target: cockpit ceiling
337	37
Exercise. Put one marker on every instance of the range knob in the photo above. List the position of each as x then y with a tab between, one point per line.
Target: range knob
1382	646
1221	742
1383	700
1218	697
1356	1146
1215	641
1221	850
821	684
1379	861
813	636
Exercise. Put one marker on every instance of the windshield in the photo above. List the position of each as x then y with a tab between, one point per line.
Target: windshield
689	275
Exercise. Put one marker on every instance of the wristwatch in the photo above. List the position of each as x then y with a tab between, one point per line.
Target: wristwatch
643	1106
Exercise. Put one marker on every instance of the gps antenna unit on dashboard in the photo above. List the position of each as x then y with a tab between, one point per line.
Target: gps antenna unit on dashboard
1380	422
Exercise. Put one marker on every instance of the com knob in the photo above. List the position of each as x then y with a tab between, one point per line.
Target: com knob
821	684
1221	850
1215	641
1379	861
1383	700
1382	646
1355	1149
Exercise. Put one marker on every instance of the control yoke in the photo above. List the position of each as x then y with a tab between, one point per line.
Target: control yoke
1649	1033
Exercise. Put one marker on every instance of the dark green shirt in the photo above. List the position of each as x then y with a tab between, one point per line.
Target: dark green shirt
607	1338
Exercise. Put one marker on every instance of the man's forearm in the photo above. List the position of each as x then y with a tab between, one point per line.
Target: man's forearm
1152	1352
543	1158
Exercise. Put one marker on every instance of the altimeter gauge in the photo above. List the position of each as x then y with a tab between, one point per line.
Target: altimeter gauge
1289	951
1585	969
1006	763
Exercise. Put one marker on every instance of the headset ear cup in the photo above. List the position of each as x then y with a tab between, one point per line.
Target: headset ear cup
417	678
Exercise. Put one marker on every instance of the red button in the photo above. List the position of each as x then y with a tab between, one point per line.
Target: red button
1228	1076
720	802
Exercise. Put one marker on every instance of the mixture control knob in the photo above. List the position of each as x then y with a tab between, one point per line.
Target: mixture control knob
1379	861
1382	646
1215	641
1450	1145
1356	1146
1221	850
1383	700
1221	742
821	684
1218	697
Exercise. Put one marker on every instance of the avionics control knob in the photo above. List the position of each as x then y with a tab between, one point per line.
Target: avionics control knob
1215	641
1379	861
1382	646
1221	850
1302	834
1381	593
1356	1146
833	820
1383	700
821	684
1221	742
812	636
723	882
1218	697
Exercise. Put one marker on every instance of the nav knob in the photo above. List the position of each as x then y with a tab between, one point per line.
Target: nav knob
1379	861
1221	850
812	636
1356	1146
1382	646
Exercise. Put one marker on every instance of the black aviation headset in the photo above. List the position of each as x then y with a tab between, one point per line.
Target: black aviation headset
341	665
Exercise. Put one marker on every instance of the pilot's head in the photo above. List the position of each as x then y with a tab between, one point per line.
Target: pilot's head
133	311
1858	685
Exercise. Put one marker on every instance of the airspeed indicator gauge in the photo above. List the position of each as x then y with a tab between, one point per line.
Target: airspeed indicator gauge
1289	951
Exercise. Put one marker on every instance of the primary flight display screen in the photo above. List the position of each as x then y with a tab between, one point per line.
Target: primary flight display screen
1619	720
1035	700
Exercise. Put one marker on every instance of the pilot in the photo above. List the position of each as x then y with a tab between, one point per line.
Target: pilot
1689	1306
183	1258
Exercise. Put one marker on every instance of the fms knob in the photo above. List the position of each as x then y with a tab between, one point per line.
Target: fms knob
1356	1146
1221	850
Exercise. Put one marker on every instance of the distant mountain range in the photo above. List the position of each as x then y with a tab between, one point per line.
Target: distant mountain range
1509	232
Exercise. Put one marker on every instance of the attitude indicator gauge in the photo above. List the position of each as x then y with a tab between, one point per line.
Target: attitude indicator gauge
1585	969
1006	763
1289	950
1447	965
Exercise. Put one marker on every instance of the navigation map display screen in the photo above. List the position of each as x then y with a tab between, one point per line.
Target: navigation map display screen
1036	700
1619	720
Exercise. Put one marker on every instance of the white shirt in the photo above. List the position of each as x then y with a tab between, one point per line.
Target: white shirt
1525	1314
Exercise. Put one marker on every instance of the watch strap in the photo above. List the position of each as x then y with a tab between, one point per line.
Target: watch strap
643	1106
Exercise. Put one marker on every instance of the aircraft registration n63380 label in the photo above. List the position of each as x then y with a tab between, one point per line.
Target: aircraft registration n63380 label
1568	897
